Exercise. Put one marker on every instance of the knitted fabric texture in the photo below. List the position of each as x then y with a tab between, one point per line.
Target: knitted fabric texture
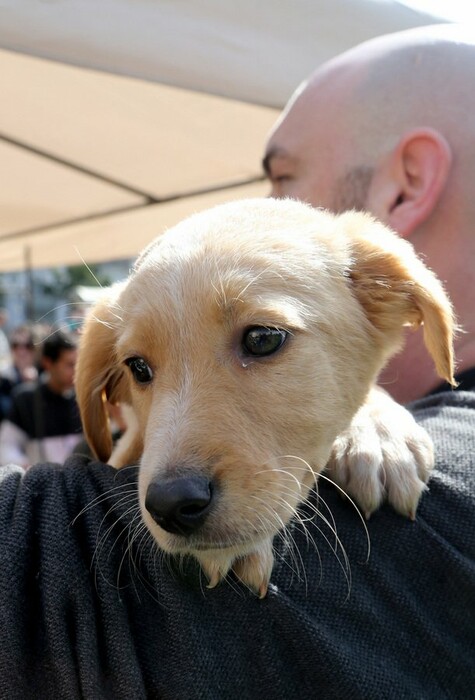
90	609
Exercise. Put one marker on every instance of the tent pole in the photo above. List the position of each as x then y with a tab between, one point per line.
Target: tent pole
29	283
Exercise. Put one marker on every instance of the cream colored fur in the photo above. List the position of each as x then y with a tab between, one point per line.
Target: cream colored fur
262	428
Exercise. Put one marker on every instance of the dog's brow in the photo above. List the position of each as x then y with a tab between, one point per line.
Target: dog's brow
252	281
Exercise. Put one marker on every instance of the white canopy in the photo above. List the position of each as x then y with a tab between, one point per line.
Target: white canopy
100	163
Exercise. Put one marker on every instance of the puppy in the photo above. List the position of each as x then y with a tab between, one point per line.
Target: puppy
246	340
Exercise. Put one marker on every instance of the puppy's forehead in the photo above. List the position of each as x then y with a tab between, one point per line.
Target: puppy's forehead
257	231
262	261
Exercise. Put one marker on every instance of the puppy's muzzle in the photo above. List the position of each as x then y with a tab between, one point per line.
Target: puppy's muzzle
180	506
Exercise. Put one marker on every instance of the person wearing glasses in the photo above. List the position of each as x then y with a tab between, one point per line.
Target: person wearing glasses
21	368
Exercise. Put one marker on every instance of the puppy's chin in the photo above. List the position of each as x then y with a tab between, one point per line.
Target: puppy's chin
251	560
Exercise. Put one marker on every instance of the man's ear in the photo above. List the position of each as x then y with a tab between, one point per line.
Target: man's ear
407	187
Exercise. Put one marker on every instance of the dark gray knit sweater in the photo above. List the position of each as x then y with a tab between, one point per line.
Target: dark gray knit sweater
88	609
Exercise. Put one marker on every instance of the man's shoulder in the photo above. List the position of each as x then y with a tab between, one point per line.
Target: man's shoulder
435	404
75	484
449	506
449	417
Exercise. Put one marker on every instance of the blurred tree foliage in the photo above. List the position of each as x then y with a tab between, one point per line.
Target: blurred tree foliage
65	279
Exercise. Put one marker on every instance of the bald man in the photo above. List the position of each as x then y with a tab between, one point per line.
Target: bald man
75	611
388	127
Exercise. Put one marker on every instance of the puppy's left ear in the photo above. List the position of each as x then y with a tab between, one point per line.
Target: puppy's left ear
99	377
396	289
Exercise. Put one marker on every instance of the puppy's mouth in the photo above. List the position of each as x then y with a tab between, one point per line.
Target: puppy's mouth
212	535
192	513
191	546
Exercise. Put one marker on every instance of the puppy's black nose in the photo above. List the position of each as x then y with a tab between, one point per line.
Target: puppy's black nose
181	505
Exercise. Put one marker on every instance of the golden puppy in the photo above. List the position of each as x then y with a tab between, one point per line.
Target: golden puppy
246	340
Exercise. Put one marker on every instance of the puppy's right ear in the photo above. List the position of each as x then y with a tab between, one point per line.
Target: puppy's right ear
99	376
396	289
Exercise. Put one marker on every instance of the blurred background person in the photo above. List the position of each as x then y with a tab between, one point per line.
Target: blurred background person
21	367
4	344
43	421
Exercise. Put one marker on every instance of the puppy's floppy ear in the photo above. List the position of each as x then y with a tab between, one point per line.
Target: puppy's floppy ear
396	289
99	376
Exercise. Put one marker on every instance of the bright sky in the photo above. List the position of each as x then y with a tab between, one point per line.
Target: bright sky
452	10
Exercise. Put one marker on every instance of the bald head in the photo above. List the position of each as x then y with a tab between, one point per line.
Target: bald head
355	108
387	127
422	77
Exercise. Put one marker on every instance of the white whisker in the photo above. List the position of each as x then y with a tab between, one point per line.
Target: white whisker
87	267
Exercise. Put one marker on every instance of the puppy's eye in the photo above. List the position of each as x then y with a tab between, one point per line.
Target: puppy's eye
140	370
259	341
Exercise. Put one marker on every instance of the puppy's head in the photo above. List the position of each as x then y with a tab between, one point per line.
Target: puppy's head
245	340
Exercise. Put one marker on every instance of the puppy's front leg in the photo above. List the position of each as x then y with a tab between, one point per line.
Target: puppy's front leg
384	454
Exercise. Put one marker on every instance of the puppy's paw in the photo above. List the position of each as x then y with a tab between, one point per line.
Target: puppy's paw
255	569
383	455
